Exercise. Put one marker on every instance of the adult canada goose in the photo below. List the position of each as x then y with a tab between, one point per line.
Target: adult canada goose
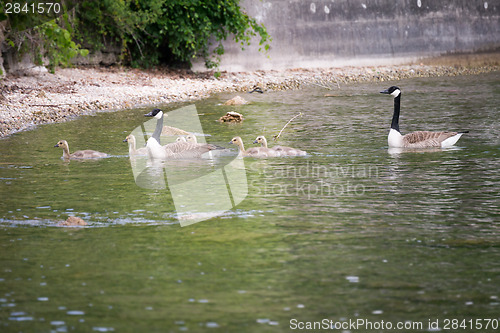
132	150
418	139
164	130
260	152
79	154
172	131
219	151
158	114
174	150
284	151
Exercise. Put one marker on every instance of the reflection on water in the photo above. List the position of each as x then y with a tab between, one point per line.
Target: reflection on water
353	230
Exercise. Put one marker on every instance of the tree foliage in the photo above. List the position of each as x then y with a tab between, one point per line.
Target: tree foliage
148	32
43	35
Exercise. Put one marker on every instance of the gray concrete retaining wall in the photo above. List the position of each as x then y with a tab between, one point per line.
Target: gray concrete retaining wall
329	33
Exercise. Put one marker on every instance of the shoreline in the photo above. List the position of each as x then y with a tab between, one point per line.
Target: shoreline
27	101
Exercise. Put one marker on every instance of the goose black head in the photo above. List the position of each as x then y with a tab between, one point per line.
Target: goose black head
157	113
394	91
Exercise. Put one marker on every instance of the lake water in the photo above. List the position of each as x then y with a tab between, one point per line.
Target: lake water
349	232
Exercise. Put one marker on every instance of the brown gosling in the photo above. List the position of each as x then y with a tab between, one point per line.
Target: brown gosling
132	150
79	154
258	152
284	151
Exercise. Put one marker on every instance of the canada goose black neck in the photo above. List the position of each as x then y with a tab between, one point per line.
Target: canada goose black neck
395	116
157	113
396	93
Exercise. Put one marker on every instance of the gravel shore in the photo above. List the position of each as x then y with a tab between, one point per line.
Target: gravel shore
26	101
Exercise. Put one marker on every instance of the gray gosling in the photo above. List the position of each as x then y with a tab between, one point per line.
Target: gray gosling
132	150
79	154
284	151
258	152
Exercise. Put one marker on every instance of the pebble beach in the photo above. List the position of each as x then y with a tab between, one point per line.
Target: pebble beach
41	97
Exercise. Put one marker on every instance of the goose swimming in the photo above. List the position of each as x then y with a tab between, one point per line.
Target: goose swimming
284	151
79	154
418	139
260	152
174	150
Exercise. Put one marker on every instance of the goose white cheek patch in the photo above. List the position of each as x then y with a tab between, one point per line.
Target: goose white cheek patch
396	93
199	189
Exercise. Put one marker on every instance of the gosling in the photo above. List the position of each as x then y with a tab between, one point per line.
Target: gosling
79	154
284	151
259	152
132	150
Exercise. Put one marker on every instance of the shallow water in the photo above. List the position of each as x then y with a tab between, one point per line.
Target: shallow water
349	232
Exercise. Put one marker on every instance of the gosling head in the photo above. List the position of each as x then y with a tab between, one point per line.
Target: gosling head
260	139
129	138
157	113
62	144
394	91
180	139
236	140
191	138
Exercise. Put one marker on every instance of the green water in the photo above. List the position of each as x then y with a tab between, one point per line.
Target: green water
348	232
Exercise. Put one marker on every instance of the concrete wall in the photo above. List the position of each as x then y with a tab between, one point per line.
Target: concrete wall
329	33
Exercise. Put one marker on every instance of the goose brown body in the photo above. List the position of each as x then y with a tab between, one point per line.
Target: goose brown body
178	150
175	150
419	139
422	139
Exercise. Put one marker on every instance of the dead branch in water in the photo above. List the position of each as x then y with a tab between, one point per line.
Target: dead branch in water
51	105
325	84
276	137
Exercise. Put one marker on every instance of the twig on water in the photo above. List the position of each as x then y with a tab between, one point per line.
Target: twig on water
276	137
51	105
325	83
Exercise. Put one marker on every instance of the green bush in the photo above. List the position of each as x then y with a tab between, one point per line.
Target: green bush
43	35
150	32
58	45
